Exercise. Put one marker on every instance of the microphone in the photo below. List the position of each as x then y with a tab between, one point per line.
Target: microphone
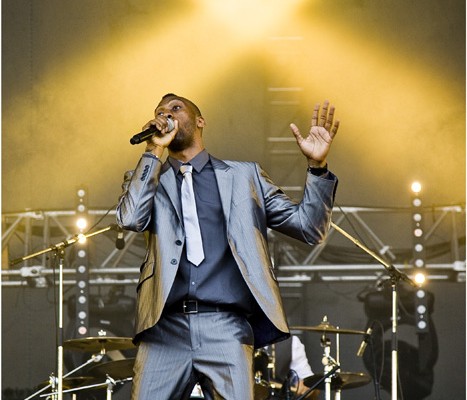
120	241
152	130
366	339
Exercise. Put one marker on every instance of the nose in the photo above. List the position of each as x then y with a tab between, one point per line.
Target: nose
166	114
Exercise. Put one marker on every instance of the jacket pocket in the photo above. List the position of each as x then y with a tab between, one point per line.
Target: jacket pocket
147	271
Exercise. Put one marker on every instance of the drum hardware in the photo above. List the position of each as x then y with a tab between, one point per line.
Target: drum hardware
329	363
68	383
59	250
332	379
262	364
316	384
53	381
326	327
99	344
118	369
109	384
340	380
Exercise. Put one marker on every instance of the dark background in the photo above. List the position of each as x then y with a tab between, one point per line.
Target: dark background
29	356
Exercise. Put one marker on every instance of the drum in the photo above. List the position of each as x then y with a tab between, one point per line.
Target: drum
197	392
261	364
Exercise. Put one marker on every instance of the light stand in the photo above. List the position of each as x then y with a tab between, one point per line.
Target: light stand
395	276
59	250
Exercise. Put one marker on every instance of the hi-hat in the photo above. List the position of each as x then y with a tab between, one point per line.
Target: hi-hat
118	369
99	343
340	380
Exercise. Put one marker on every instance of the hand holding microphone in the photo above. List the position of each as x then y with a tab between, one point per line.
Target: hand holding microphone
152	130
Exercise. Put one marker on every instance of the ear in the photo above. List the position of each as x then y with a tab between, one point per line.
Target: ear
200	122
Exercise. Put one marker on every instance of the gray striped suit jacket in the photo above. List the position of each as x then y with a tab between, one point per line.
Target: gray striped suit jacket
251	203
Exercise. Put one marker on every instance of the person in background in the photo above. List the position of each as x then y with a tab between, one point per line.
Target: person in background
283	366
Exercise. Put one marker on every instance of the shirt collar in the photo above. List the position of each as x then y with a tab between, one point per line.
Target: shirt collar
198	162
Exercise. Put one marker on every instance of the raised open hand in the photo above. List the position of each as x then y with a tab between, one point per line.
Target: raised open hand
323	129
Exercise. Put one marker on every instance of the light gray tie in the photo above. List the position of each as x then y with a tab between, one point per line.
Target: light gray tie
194	243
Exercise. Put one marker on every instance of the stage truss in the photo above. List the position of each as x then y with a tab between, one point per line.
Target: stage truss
387	231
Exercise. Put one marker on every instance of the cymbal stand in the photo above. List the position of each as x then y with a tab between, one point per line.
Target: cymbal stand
110	383
329	365
395	277
337	395
318	382
53	379
110	386
59	250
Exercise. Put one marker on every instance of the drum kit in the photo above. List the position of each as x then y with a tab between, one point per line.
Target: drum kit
332	380
107	375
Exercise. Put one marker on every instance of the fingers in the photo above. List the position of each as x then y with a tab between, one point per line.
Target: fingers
324	114
325	118
334	129
314	117
161	123
296	132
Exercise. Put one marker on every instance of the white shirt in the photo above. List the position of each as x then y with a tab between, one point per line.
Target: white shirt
299	361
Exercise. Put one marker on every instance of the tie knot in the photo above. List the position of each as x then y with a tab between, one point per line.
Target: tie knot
184	168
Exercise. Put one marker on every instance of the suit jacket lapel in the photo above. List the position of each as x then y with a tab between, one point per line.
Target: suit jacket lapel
167	179
224	176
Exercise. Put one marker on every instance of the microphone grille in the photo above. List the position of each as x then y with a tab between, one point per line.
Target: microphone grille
170	124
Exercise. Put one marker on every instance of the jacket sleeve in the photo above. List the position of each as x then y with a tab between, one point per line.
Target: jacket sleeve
307	220
135	205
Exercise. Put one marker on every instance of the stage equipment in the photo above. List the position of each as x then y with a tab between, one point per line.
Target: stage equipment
332	378
395	277
54	382
419	256
82	259
326	327
119	369
100	344
340	380
416	368
59	253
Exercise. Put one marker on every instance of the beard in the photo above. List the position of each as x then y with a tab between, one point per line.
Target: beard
182	140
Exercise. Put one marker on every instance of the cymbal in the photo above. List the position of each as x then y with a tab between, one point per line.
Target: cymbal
99	343
118	369
341	380
326	327
69	383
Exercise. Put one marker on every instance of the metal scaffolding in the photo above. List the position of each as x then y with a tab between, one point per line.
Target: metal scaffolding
387	231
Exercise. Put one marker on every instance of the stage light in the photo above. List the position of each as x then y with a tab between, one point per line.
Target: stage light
419	263
82	271
81	223
416	187
419	255
416	202
419	278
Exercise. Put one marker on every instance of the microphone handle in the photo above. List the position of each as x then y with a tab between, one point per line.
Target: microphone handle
145	135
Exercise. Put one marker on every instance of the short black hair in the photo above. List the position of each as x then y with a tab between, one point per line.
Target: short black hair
193	105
